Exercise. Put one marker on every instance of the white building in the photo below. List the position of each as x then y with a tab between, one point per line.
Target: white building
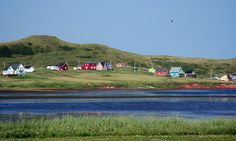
16	69
29	69
52	68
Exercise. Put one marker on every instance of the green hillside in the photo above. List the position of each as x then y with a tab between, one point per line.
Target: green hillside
48	50
43	50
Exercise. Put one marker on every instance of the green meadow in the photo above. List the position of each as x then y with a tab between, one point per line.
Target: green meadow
74	79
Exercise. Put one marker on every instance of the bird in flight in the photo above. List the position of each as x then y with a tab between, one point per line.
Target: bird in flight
171	21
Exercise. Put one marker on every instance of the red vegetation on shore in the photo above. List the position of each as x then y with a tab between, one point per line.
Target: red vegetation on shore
194	86
201	86
226	86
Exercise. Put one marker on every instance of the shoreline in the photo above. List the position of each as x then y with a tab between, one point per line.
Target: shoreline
193	86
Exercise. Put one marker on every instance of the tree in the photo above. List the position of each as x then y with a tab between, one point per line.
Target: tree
5	52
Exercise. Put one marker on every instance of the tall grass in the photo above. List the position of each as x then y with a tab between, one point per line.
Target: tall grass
115	126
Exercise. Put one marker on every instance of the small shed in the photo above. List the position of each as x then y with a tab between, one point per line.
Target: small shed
53	68
176	72
29	69
161	71
190	73
122	65
62	66
151	70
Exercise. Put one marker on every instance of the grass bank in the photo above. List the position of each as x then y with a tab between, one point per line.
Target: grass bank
119	78
134	138
115	126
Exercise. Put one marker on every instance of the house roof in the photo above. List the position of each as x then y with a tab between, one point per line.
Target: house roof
189	71
89	62
27	67
104	63
123	63
6	68
61	64
15	66
176	69
161	70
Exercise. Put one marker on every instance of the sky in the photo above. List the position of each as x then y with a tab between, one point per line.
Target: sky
200	28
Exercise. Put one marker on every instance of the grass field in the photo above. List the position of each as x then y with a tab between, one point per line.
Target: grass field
134	138
118	78
116	126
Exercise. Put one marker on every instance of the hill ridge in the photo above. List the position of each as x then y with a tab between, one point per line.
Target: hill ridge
42	50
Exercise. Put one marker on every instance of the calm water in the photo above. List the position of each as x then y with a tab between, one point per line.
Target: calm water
166	103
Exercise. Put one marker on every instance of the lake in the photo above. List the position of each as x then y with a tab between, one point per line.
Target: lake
159	103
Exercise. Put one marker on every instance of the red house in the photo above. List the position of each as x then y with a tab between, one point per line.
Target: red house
62	66
161	72
88	66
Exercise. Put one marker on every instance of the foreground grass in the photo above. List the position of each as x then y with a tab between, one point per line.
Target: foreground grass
115	126
135	138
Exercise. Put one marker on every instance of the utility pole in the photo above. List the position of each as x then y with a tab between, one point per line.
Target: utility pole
138	66
41	64
210	73
134	66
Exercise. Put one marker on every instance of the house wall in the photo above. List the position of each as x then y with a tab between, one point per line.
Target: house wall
6	72
20	70
174	74
161	73
88	66
64	67
52	68
31	69
9	71
99	66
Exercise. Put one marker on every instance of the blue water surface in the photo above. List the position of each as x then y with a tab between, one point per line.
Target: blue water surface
224	105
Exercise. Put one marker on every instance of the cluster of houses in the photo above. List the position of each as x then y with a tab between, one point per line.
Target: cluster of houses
17	69
104	65
173	72
178	72
226	78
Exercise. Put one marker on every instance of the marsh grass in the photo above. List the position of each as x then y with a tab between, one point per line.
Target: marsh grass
115	126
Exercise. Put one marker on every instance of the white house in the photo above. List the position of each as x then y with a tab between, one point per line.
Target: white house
8	71
176	72
225	78
29	69
99	66
15	69
52	68
104	66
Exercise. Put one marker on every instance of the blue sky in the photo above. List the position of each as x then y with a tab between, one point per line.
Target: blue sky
200	28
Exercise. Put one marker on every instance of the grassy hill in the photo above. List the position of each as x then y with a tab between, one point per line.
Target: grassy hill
43	50
50	50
